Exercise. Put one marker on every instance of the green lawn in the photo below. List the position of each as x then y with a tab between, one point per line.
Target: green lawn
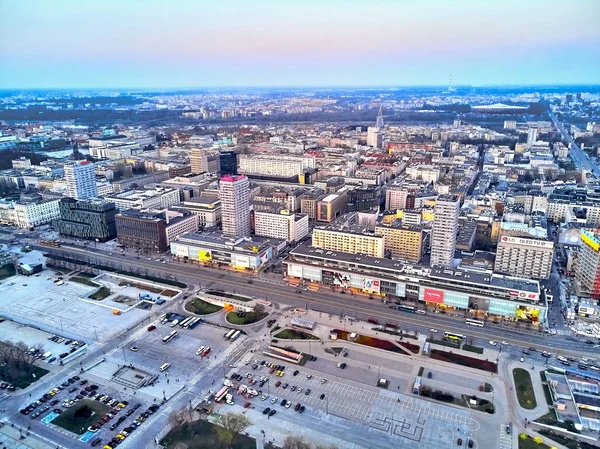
248	318
200	307
84	281
104	292
24	380
69	419
475	349
7	271
524	389
565	441
291	334
202	435
528	443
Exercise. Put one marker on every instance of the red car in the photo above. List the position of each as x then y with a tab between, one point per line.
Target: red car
278	383
205	352
151	328
246	405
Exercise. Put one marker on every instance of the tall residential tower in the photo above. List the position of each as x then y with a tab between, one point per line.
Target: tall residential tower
81	180
445	228
235	206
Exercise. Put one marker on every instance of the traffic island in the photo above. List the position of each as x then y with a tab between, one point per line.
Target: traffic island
199	307
243	318
524	389
82	415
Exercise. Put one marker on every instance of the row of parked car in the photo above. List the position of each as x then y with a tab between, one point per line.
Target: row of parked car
48	397
123	434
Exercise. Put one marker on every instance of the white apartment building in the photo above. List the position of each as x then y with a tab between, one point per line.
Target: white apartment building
524	257
426	173
270	165
158	198
81	180
349	240
29	214
444	230
179	224
395	198
235	205
281	225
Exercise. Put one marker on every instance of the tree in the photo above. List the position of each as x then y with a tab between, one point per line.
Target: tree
321	446
231	425
258	308
293	442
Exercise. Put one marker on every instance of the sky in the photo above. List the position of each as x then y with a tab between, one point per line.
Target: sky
209	43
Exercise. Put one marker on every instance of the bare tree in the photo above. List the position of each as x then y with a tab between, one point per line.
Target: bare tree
231	424
322	446
293	442
258	308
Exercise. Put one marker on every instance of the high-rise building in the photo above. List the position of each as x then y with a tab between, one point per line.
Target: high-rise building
228	160
444	230
281	225
532	135
198	160
402	241
87	219
587	271
352	239
375	137
235	205
81	180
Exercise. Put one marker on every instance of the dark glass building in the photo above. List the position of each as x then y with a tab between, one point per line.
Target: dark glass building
228	160
87	219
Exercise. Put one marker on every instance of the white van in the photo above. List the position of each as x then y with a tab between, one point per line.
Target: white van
165	366
46	355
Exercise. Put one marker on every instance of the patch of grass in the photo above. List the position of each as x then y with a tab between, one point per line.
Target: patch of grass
7	271
483	405
275	329
248	318
443	343
547	393
148	288
475	349
82	415
86	275
200	307
84	281
292	334
169	293
374	342
566	441
526	442
463	360
487	387
202	435
524	389
102	293
551	420
229	295
23	380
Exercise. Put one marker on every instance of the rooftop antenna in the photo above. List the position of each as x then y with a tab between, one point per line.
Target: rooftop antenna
450	88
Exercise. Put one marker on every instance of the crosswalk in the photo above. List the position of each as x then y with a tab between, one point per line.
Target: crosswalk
506	441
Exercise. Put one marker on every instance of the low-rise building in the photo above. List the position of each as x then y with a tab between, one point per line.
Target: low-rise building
150	198
281	225
352	239
29	212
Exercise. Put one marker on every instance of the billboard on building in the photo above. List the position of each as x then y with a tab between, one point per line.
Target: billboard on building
586	310
204	255
371	285
242	261
431	295
526	242
182	251
295	270
335	278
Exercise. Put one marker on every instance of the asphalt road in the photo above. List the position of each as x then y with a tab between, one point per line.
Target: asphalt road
579	157
328	302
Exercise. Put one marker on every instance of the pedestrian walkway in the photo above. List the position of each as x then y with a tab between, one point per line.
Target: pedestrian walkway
10	437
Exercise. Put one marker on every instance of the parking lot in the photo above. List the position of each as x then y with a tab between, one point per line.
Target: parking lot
56	308
389	417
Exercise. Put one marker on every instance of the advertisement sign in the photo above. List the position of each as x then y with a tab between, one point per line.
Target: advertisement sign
371	285
526	242
586	310
295	270
204	255
182	251
523	295
431	295
335	278
242	261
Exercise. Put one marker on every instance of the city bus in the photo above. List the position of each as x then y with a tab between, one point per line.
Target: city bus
195	323
190	323
474	322
164	366
170	337
235	335
426	348
452	336
229	334
408	309
185	321
221	394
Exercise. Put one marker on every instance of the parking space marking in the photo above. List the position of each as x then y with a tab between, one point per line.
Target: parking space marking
506	441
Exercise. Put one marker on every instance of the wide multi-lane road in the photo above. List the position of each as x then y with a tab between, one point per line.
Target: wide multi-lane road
327	302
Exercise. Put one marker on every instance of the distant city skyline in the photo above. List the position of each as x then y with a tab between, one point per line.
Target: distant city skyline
177	44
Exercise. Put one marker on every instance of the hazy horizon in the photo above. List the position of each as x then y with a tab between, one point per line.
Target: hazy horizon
66	44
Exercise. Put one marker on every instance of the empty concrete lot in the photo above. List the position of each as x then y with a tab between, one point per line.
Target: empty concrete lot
56	308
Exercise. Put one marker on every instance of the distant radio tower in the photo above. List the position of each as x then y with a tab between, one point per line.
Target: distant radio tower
379	123
450	88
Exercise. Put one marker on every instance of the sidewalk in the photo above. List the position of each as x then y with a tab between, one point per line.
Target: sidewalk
10	437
